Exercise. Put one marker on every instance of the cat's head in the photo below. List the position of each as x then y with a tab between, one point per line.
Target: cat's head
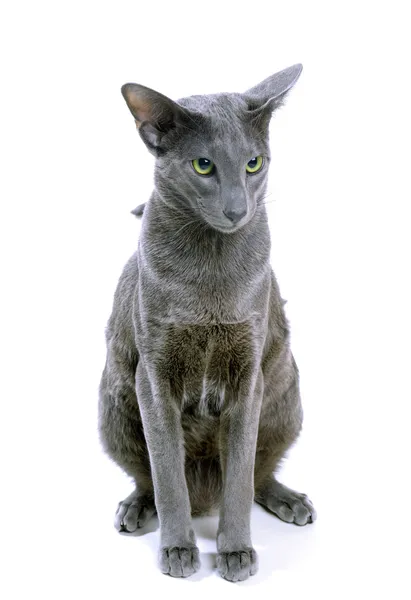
212	152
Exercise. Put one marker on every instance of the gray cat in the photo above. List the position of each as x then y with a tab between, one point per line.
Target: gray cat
199	398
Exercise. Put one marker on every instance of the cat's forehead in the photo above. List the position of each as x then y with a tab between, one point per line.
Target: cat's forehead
219	106
221	118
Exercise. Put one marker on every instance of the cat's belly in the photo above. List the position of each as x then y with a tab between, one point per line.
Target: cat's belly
201	434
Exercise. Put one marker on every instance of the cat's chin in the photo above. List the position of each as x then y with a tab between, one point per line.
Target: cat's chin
224	229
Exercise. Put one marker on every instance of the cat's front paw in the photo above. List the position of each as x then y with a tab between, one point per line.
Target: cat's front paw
237	566
179	561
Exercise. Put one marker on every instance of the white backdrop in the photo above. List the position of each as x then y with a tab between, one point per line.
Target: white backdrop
73	166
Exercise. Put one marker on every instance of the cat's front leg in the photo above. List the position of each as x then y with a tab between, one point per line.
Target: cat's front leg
179	555
237	559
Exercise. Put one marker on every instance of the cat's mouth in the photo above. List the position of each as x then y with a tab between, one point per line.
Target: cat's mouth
227	228
224	228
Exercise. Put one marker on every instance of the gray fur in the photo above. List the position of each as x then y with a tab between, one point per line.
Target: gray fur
199	398
138	210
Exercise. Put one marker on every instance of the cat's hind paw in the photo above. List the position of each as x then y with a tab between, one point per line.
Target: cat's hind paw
133	513
286	504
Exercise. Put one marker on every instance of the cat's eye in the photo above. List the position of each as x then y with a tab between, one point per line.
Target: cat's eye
254	165
203	166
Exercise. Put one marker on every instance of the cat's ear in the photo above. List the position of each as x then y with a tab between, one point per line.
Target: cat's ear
155	114
270	93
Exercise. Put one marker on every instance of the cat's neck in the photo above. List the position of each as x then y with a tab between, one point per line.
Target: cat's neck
191	274
176	243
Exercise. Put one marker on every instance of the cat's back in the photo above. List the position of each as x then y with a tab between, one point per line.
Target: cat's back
120	330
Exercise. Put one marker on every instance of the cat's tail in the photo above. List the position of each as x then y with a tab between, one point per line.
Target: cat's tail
138	211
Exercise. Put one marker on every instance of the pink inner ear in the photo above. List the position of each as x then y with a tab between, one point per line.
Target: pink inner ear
141	110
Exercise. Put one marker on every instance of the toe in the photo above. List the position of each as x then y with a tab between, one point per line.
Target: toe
119	517
164	562
301	513
309	505
222	564
234	566
253	561
284	512
189	559
130	519
176	569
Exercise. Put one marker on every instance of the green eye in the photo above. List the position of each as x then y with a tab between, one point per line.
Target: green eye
203	166
254	165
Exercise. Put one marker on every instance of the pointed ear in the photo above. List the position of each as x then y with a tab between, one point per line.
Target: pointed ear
155	114
270	93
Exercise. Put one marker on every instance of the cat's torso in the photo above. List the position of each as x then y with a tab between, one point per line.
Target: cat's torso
202	318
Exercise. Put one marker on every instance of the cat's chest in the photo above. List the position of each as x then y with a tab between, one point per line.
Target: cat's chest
204	364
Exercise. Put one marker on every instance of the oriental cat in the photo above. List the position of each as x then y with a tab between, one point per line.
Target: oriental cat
199	398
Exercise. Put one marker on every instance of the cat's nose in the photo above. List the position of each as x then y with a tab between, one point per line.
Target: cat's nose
235	215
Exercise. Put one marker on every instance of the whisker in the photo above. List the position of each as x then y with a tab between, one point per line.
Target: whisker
194	221
261	201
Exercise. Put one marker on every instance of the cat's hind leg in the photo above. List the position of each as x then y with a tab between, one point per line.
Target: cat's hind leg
280	425
134	512
288	505
122	437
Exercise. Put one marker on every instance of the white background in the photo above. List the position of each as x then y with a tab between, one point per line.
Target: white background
72	167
